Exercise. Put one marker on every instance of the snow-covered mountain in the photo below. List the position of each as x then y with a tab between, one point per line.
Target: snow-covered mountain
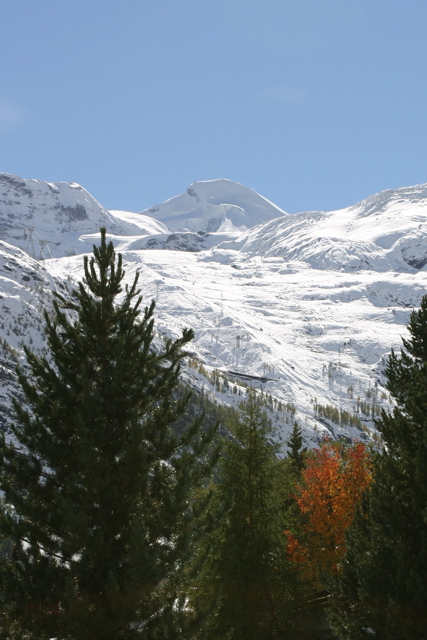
50	219
386	232
306	307
215	206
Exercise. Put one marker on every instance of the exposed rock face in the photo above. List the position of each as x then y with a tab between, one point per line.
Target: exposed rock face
46	219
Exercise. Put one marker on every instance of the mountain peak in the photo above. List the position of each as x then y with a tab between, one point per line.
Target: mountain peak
48	218
215	206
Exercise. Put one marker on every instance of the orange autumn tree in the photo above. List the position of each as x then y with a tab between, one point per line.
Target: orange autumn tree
332	484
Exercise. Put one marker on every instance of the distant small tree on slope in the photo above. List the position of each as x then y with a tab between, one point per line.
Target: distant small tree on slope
296	449
97	485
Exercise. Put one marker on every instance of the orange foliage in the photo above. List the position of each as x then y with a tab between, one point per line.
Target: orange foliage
335	477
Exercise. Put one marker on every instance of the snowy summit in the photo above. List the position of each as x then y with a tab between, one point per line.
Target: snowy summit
215	206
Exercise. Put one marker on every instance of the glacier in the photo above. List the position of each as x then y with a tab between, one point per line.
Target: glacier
306	307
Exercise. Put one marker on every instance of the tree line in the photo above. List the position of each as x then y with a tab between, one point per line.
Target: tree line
127	513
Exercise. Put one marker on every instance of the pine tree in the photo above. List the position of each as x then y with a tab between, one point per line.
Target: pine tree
296	450
382	588
246	589
97	514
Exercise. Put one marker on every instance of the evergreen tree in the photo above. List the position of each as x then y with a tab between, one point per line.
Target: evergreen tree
97	484
382	588
247	590
296	450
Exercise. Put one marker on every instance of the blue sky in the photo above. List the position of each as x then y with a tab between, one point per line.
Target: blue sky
315	104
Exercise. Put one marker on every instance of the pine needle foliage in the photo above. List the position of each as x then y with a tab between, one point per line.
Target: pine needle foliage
382	589
297	451
97	512
246	589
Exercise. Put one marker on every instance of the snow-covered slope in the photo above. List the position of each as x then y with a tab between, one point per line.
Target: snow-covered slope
50	219
385	232
25	291
306	306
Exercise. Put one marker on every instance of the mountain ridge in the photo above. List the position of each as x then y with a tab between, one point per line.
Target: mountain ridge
305	306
